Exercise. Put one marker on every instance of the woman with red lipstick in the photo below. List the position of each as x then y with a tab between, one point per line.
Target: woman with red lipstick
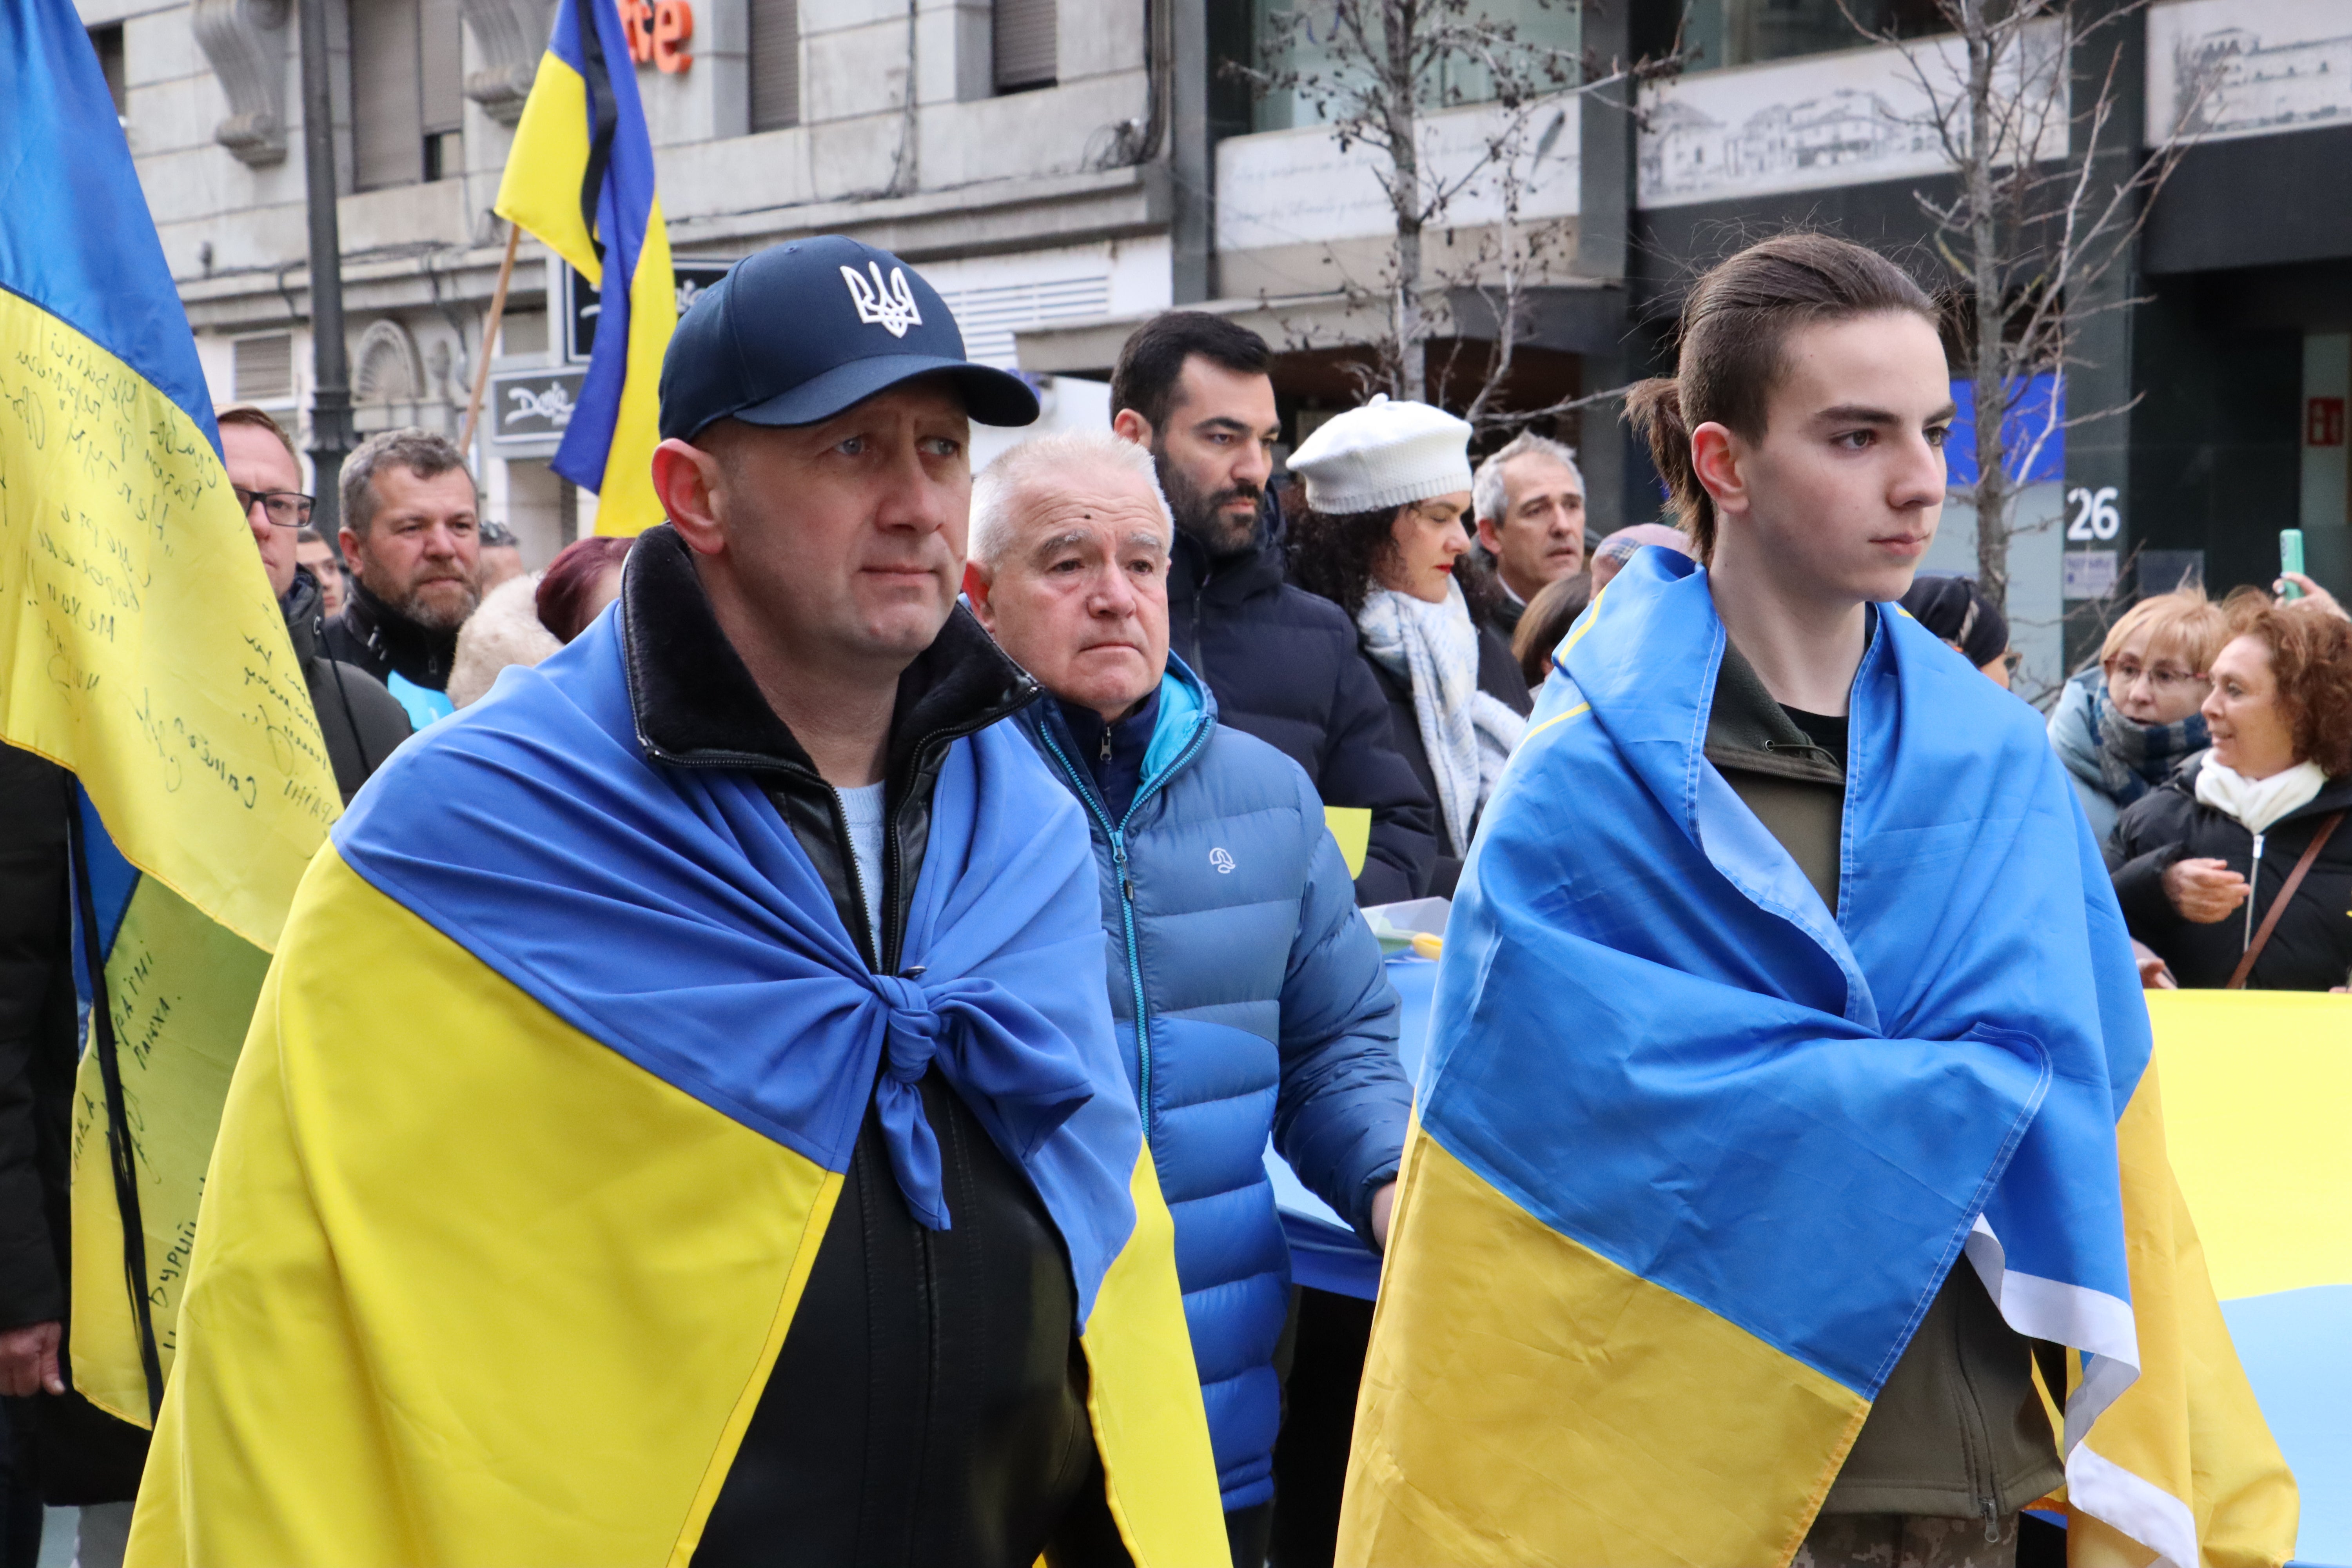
1386	536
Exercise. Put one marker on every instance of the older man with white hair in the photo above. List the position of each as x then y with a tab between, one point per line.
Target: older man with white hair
1249	994
1529	502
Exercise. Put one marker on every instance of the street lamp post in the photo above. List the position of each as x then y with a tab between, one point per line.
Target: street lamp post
330	387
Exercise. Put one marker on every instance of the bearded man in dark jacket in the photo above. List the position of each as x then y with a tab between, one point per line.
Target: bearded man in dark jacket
413	536
1194	389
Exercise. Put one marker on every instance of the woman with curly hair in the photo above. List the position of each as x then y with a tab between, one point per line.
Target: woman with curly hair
1386	537
2238	872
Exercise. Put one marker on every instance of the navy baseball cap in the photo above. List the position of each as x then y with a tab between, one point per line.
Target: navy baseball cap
801	331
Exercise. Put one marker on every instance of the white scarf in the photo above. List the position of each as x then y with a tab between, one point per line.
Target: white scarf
1467	733
2258	803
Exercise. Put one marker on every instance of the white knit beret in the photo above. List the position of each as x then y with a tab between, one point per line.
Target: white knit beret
1382	454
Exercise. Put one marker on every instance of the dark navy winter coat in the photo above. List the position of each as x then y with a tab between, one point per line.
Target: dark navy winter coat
1284	666
1234	935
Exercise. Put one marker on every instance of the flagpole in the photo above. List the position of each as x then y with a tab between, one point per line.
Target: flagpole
490	336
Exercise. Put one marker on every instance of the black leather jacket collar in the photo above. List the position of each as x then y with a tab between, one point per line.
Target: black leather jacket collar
696	706
304	609
392	642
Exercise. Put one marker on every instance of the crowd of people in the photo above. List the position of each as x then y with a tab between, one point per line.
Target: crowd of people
1133	639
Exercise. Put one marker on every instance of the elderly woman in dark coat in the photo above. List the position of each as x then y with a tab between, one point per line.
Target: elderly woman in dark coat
2237	871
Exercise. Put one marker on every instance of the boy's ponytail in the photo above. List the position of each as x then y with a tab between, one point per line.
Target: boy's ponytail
1655	409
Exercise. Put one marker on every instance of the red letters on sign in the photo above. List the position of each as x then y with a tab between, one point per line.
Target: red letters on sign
657	31
2323	422
673	25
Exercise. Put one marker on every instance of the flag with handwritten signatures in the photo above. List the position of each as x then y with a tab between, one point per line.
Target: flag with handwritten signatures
140	648
581	177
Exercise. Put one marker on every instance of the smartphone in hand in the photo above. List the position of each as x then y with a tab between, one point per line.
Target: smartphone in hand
2290	560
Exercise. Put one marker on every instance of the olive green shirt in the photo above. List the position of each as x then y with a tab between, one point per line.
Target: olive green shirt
1959	1431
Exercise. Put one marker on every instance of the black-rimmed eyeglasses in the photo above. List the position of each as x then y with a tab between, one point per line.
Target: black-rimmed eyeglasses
285	509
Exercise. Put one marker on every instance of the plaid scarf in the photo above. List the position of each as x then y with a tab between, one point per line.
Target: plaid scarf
2134	758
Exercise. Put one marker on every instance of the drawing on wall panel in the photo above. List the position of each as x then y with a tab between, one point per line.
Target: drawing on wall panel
1829	119
2248	68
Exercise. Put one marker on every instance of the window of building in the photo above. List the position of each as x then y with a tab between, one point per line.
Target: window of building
1024	44
407	92
775	64
262	369
107	42
1304	40
1748	31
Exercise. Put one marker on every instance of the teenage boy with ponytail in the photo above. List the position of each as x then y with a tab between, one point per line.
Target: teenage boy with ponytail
1821	986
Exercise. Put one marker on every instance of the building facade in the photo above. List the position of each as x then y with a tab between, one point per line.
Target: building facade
1062	169
1006	146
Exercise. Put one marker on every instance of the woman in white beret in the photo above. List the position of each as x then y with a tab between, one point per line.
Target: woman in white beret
1386	537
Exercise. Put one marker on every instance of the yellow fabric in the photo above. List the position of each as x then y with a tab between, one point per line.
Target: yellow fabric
2258	1084
141	650
469	1287
1351	828
472	1288
2189	1428
539	190
1531	1402
627	503
182	989
1145	1397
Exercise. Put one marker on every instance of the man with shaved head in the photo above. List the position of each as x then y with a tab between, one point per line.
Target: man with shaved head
1248	993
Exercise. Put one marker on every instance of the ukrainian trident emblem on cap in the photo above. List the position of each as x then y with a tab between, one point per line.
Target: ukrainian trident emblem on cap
890	306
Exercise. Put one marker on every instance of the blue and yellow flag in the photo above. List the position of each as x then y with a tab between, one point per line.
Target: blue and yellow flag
143	653
2257	1087
581	177
595	1090
1695	1154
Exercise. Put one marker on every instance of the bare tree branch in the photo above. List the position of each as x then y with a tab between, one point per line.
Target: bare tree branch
1388	65
2030	232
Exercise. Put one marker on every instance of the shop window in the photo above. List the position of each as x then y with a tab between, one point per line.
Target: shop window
1288	37
1749	32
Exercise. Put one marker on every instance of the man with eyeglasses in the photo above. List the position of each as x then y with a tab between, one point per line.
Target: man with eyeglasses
361	720
413	536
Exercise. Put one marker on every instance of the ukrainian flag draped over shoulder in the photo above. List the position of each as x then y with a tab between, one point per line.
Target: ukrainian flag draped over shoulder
143	652
508	1223
1694	1156
581	177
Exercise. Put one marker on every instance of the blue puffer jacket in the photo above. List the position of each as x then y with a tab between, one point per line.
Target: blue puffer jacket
1233	933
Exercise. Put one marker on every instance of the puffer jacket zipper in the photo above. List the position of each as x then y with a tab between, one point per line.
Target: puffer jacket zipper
1116	834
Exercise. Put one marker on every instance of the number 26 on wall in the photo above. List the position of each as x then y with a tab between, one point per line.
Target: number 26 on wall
2095	517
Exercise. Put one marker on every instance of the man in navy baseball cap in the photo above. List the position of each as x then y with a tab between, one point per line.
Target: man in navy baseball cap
794	628
801	331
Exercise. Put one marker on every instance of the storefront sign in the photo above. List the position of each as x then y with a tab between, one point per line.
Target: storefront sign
2087	574
657	31
579	302
532	405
